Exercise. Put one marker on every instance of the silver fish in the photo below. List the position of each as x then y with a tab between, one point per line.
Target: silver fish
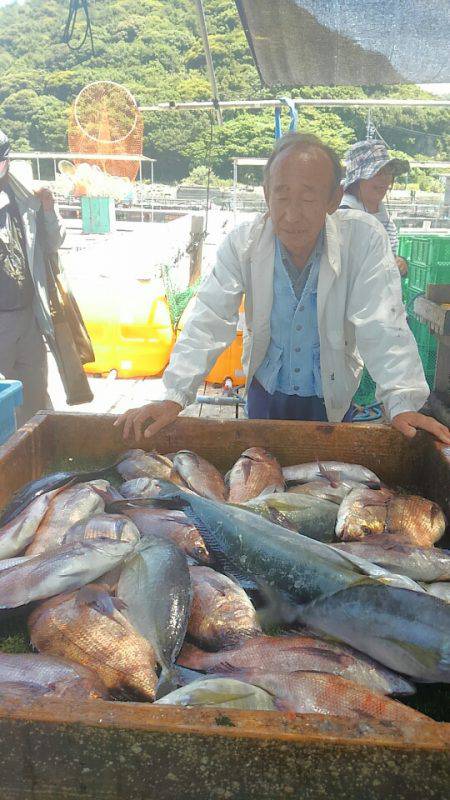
199	475
222	692
62	570
155	586
330	593
68	507
140	487
16	535
139	464
407	631
439	589
50	675
334	471
426	564
325	490
310	516
103	526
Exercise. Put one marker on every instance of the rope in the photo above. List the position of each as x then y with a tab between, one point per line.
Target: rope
74	7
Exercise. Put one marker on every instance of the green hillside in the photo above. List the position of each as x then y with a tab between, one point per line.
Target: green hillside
154	49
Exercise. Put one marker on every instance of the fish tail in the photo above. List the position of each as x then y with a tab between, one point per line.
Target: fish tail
169	680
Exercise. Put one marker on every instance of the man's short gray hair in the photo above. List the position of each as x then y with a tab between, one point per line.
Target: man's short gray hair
304	141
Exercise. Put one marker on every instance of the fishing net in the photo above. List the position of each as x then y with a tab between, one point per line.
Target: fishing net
105	119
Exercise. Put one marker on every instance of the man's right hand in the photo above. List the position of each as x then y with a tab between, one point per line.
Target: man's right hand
134	423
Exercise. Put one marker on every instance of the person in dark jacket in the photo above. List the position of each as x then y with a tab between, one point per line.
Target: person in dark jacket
30	230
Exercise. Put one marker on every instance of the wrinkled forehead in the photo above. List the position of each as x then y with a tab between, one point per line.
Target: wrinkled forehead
310	166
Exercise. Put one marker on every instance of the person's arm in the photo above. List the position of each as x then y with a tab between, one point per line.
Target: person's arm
402	265
384	338
55	231
209	329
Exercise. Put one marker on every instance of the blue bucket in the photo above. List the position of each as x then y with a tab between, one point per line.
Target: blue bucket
11	396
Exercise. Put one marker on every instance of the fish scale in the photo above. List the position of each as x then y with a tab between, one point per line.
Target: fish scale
122	658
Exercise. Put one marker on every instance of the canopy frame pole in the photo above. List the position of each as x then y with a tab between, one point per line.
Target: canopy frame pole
223	105
215	103
152	178
235	188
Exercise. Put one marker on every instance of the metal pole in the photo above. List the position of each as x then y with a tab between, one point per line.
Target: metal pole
142	201
325	103
38	169
235	166
152	192
209	61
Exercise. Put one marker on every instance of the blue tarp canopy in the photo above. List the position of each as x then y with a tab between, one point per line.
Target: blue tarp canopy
348	42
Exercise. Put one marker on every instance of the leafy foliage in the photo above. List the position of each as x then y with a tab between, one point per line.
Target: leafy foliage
153	48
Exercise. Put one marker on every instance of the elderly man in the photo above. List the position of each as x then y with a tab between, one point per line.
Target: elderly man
30	229
322	296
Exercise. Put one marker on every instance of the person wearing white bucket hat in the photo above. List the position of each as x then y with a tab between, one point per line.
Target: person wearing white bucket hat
370	172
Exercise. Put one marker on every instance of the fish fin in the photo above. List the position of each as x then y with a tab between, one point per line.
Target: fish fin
277	609
119	605
246	468
98	597
329	475
283	705
167	683
175	476
186	675
280	519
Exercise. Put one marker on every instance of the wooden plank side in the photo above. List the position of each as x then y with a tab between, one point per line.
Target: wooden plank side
379	447
55	761
112	751
26	455
230	723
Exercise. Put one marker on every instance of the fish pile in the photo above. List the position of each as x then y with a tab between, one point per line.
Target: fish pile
311	588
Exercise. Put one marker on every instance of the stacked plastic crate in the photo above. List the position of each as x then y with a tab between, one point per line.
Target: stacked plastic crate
429	263
428	257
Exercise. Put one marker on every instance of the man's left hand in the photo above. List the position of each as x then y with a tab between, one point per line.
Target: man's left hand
409	422
45	196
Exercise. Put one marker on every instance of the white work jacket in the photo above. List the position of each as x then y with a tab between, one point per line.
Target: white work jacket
360	312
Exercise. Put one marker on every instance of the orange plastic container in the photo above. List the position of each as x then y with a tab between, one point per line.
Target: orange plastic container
129	325
229	363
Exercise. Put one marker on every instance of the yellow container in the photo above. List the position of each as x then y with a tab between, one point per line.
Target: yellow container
229	363
129	325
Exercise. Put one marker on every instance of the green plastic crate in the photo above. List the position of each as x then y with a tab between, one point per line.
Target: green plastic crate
405	245
420	275
431	250
365	396
426	341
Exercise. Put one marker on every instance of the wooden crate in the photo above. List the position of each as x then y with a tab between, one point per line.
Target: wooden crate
97	750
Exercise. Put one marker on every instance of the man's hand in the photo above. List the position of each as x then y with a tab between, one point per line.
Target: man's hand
45	196
134	422
402	265
409	422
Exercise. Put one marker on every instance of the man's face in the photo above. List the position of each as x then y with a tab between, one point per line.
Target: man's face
299	195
